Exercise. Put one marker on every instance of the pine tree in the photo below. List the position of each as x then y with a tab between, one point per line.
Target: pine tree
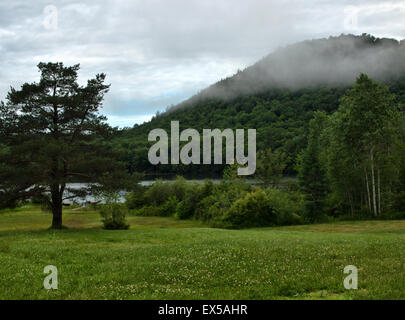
312	169
52	134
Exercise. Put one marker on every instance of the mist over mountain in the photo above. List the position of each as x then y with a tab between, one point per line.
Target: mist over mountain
335	61
277	96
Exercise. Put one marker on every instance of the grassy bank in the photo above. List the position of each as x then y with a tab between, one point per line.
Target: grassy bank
163	258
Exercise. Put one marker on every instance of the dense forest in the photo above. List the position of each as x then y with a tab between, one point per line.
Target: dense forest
328	112
277	96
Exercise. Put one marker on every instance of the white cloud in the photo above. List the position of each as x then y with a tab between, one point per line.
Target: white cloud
159	52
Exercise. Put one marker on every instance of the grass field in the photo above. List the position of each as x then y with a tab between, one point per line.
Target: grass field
163	258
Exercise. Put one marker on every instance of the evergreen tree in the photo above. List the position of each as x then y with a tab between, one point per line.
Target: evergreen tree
52	134
270	167
312	169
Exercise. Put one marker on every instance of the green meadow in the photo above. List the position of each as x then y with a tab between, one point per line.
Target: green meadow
164	258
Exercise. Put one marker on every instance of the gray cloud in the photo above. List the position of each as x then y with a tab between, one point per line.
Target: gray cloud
160	52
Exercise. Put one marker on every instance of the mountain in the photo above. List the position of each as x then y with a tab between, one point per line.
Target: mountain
333	62
276	96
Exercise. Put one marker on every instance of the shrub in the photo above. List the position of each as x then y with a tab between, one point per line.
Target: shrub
136	199
158	193
254	210
186	208
220	199
169	207
259	208
207	188
147	211
211	209
289	206
194	194
165	210
179	188
113	215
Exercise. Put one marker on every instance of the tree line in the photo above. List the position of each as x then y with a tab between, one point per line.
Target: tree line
346	145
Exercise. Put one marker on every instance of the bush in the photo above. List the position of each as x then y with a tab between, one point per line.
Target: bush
186	208
136	199
254	210
114	216
272	207
289	206
217	199
158	193
179	188
209	209
147	211
168	209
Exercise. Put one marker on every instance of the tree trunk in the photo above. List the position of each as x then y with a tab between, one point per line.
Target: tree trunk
373	182
368	189
56	207
57	216
379	190
349	195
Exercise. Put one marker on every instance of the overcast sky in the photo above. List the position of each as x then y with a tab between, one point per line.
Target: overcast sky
159	52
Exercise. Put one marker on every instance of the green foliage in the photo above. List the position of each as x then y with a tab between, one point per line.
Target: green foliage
158	193
147	211
179	188
253	210
270	167
218	205
169	208
312	169
212	208
137	198
231	173
223	196
113	215
195	193
399	202
280	117
261	208
52	133
289	206
362	156
279	113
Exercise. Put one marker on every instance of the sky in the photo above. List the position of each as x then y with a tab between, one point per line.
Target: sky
157	53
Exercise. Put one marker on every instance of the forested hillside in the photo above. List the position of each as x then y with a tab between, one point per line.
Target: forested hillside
277	96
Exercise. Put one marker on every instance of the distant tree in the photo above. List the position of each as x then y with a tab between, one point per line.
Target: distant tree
270	167
52	133
231	173
312	168
365	132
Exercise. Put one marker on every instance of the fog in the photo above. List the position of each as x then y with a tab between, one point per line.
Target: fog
158	53
335	61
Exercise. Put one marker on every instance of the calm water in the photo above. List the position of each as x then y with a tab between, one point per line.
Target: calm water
91	199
